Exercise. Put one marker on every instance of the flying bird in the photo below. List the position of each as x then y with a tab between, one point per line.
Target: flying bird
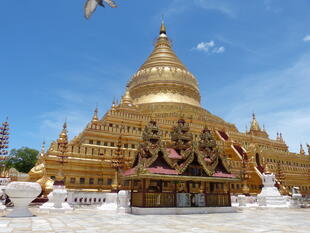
91	5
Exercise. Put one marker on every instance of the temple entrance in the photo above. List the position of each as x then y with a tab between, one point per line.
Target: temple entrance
160	193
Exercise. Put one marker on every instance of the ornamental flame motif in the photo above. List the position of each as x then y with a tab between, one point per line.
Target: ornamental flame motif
151	141
207	146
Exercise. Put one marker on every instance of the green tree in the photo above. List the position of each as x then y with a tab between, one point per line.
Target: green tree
22	159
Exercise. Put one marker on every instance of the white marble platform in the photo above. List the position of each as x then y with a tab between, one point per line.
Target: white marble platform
93	220
182	211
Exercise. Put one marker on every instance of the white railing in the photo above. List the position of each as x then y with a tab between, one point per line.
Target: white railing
85	198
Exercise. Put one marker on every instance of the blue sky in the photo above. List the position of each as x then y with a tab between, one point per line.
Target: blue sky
247	55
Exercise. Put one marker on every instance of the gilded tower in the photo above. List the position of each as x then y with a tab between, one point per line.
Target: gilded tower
163	77
165	90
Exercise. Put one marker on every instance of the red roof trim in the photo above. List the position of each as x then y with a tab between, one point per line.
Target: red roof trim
161	170
129	172
172	154
224	175
223	135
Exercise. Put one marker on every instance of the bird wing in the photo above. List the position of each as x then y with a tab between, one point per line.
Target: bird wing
90	7
100	2
111	3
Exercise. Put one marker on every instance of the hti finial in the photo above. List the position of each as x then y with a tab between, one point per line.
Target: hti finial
65	124
301	150
43	147
162	27
95	116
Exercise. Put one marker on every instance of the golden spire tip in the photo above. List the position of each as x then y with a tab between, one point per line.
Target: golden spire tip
162	27
65	124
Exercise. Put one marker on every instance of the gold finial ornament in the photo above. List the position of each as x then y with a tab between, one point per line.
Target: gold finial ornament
266	166
162	27
113	105
256	130
63	136
308	146
254	125
301	151
126	99
267	169
95	116
43	148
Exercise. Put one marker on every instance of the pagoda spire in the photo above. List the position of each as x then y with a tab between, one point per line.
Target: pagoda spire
43	147
41	154
301	150
162	27
126	99
113	105
62	148
256	130
280	137
254	125
63	136
95	116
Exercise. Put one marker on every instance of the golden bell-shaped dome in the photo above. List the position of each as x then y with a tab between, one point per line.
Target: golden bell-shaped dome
163	77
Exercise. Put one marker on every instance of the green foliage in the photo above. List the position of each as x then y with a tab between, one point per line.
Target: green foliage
22	159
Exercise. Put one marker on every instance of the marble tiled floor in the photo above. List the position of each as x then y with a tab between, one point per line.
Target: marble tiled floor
92	220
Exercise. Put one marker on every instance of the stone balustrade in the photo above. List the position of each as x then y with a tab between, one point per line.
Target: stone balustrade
76	197
106	201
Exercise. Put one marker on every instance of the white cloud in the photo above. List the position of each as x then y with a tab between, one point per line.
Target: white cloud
280	99
306	38
219	50
205	46
209	47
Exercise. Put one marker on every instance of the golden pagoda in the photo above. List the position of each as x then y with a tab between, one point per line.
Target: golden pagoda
165	90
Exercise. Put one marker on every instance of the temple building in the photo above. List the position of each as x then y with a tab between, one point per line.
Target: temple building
181	173
195	150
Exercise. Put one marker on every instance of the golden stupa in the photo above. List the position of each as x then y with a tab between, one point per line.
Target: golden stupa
165	90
